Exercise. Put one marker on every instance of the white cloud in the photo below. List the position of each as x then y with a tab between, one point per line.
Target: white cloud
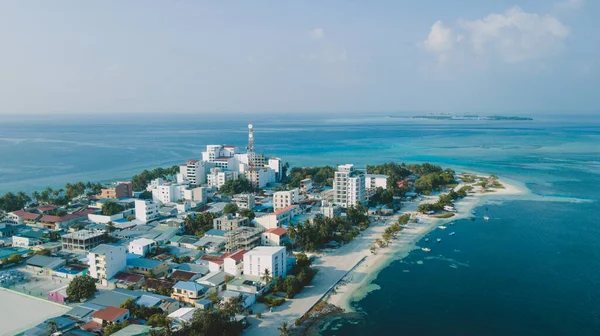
317	33
511	37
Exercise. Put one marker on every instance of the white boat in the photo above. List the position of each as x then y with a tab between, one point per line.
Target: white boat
425	249
452	234
426	239
441	227
486	217
439	240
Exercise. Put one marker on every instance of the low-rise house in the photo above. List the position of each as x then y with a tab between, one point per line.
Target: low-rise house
179	275
7	231
186	241
53	247
147	267
58	295
183	315
141	246
212	279
247	299
198	269
211	244
22	217
52	222
157	285
71	271
188	291
83	240
28	238
128	280
247	284
214	263
42	264
137	330
275	237
233	263
110	315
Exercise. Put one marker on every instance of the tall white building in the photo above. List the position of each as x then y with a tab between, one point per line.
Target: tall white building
260	177
244	200
283	199
221	156
146	211
169	192
218	177
105	261
374	181
261	258
141	246
277	165
349	186
194	171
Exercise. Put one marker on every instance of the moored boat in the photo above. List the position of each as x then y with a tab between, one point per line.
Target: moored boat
425	249
441	227
439	240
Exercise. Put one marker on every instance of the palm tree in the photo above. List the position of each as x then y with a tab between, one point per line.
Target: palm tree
51	327
266	276
284	330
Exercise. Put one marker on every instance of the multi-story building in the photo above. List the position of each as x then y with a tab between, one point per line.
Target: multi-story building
283	199
188	291
306	185
146	211
218	177
105	261
141	246
275	237
229	222
118	190
349	186
278	218
171	192
329	209
82	240
243	238
277	166
260	177
374	181
261	258
221	156
27	239
194	171
244	201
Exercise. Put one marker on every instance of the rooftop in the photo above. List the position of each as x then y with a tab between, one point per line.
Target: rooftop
237	256
277	231
266	250
282	210
189	285
45	262
106	248
26	214
142	242
215	232
143	263
110	313
182	275
211	258
84	234
128	277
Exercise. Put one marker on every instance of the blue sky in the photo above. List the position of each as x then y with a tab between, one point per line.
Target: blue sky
89	57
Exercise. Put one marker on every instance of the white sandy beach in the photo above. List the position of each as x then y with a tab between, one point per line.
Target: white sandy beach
356	284
338	264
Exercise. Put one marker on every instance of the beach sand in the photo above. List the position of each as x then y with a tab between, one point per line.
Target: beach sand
357	283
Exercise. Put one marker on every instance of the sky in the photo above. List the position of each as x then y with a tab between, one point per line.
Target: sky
183	56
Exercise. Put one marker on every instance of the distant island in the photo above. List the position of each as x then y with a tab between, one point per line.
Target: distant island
469	117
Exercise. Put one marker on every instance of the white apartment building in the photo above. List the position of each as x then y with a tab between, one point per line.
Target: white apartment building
221	156
218	177
374	181
272	258
283	199
194	171
105	261
244	201
146	211
306	185
278	217
349	186
169	192
277	166
141	246
260	177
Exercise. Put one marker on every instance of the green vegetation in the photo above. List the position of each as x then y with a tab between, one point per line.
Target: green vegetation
140	312
237	186
435	180
312	236
230	208
320	175
159	320
13	259
11	202
247	213
444	200
198	224
114	327
112	208
271	300
220	322
81	288
141	180
382	196
444	215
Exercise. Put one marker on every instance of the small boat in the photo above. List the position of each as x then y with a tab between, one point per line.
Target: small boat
439	240
441	227
486	217
473	212
425	249
452	234
426	239
452	223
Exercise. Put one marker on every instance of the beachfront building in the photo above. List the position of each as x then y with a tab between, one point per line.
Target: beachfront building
243	238
306	185
118	190
146	211
349	186
275	237
229	222
261	258
194	171
105	261
277	218
233	264
244	200
283	199
218	176
82	240
141	246
374	181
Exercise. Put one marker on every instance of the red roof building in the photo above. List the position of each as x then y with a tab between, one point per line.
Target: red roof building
277	231
237	256
26	215
111	315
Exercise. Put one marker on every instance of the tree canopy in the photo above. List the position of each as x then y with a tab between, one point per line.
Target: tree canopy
320	175
112	208
230	208
141	180
236	186
81	287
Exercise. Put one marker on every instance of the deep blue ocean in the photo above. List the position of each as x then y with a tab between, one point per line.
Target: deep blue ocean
533	269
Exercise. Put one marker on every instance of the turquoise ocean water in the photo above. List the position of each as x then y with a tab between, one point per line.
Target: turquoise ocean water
533	269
